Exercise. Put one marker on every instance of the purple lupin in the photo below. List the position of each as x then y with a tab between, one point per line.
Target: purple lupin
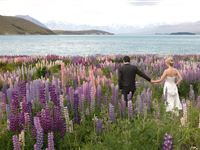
105	99
122	106
149	97
39	136
46	120
76	110
98	123
16	144
98	95
111	113
92	99
27	120
130	109
116	94
113	95
14	122
141	103
59	122
53	95
191	93
198	102
15	102
22	89
42	94
50	141
167	144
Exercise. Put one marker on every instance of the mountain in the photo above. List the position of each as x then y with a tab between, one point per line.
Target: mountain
15	25
82	32
31	19
182	33
192	27
58	25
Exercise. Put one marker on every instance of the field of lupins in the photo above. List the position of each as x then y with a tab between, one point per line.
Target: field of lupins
55	102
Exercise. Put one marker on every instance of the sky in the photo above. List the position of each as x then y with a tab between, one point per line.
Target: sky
106	12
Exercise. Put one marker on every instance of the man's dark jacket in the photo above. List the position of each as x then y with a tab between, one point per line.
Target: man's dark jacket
126	77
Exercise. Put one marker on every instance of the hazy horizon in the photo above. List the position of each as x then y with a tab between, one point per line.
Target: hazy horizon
137	13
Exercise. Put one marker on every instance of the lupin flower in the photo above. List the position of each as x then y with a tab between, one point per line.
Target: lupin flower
71	96
198	102
105	99
111	113
116	94
53	95
129	96
113	100
3	104
42	94
167	144
67	120
191	93
141	104
15	102
14	122
16	143
22	138
98	95
70	126
50	141
27	119
39	136
199	121
76	110
122	106
61	101
46	120
81	103
98	123
92	99
59	122
22	89
149	97
130	109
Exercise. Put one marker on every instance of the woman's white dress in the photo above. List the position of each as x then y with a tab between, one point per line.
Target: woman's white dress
171	93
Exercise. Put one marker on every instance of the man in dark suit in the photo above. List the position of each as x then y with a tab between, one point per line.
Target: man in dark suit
126	78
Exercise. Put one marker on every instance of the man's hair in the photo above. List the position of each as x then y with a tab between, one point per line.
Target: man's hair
126	59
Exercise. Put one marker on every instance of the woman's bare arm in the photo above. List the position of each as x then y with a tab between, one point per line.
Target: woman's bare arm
180	78
161	78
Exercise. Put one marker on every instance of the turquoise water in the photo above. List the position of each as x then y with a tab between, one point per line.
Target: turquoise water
99	44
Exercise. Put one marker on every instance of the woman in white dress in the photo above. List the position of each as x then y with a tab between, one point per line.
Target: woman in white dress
170	89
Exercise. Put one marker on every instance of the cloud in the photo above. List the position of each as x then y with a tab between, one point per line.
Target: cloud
144	2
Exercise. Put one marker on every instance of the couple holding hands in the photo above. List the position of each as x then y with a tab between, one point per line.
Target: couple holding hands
172	77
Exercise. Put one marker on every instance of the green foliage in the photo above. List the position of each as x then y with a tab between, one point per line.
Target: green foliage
1	84
29	141
55	69
67	61
106	71
42	72
6	140
8	66
196	87
184	89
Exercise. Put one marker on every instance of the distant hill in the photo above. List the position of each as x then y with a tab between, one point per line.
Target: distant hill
181	28
182	33
193	27
31	19
82	32
15	25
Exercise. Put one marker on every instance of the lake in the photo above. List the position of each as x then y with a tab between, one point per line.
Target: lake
99	44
